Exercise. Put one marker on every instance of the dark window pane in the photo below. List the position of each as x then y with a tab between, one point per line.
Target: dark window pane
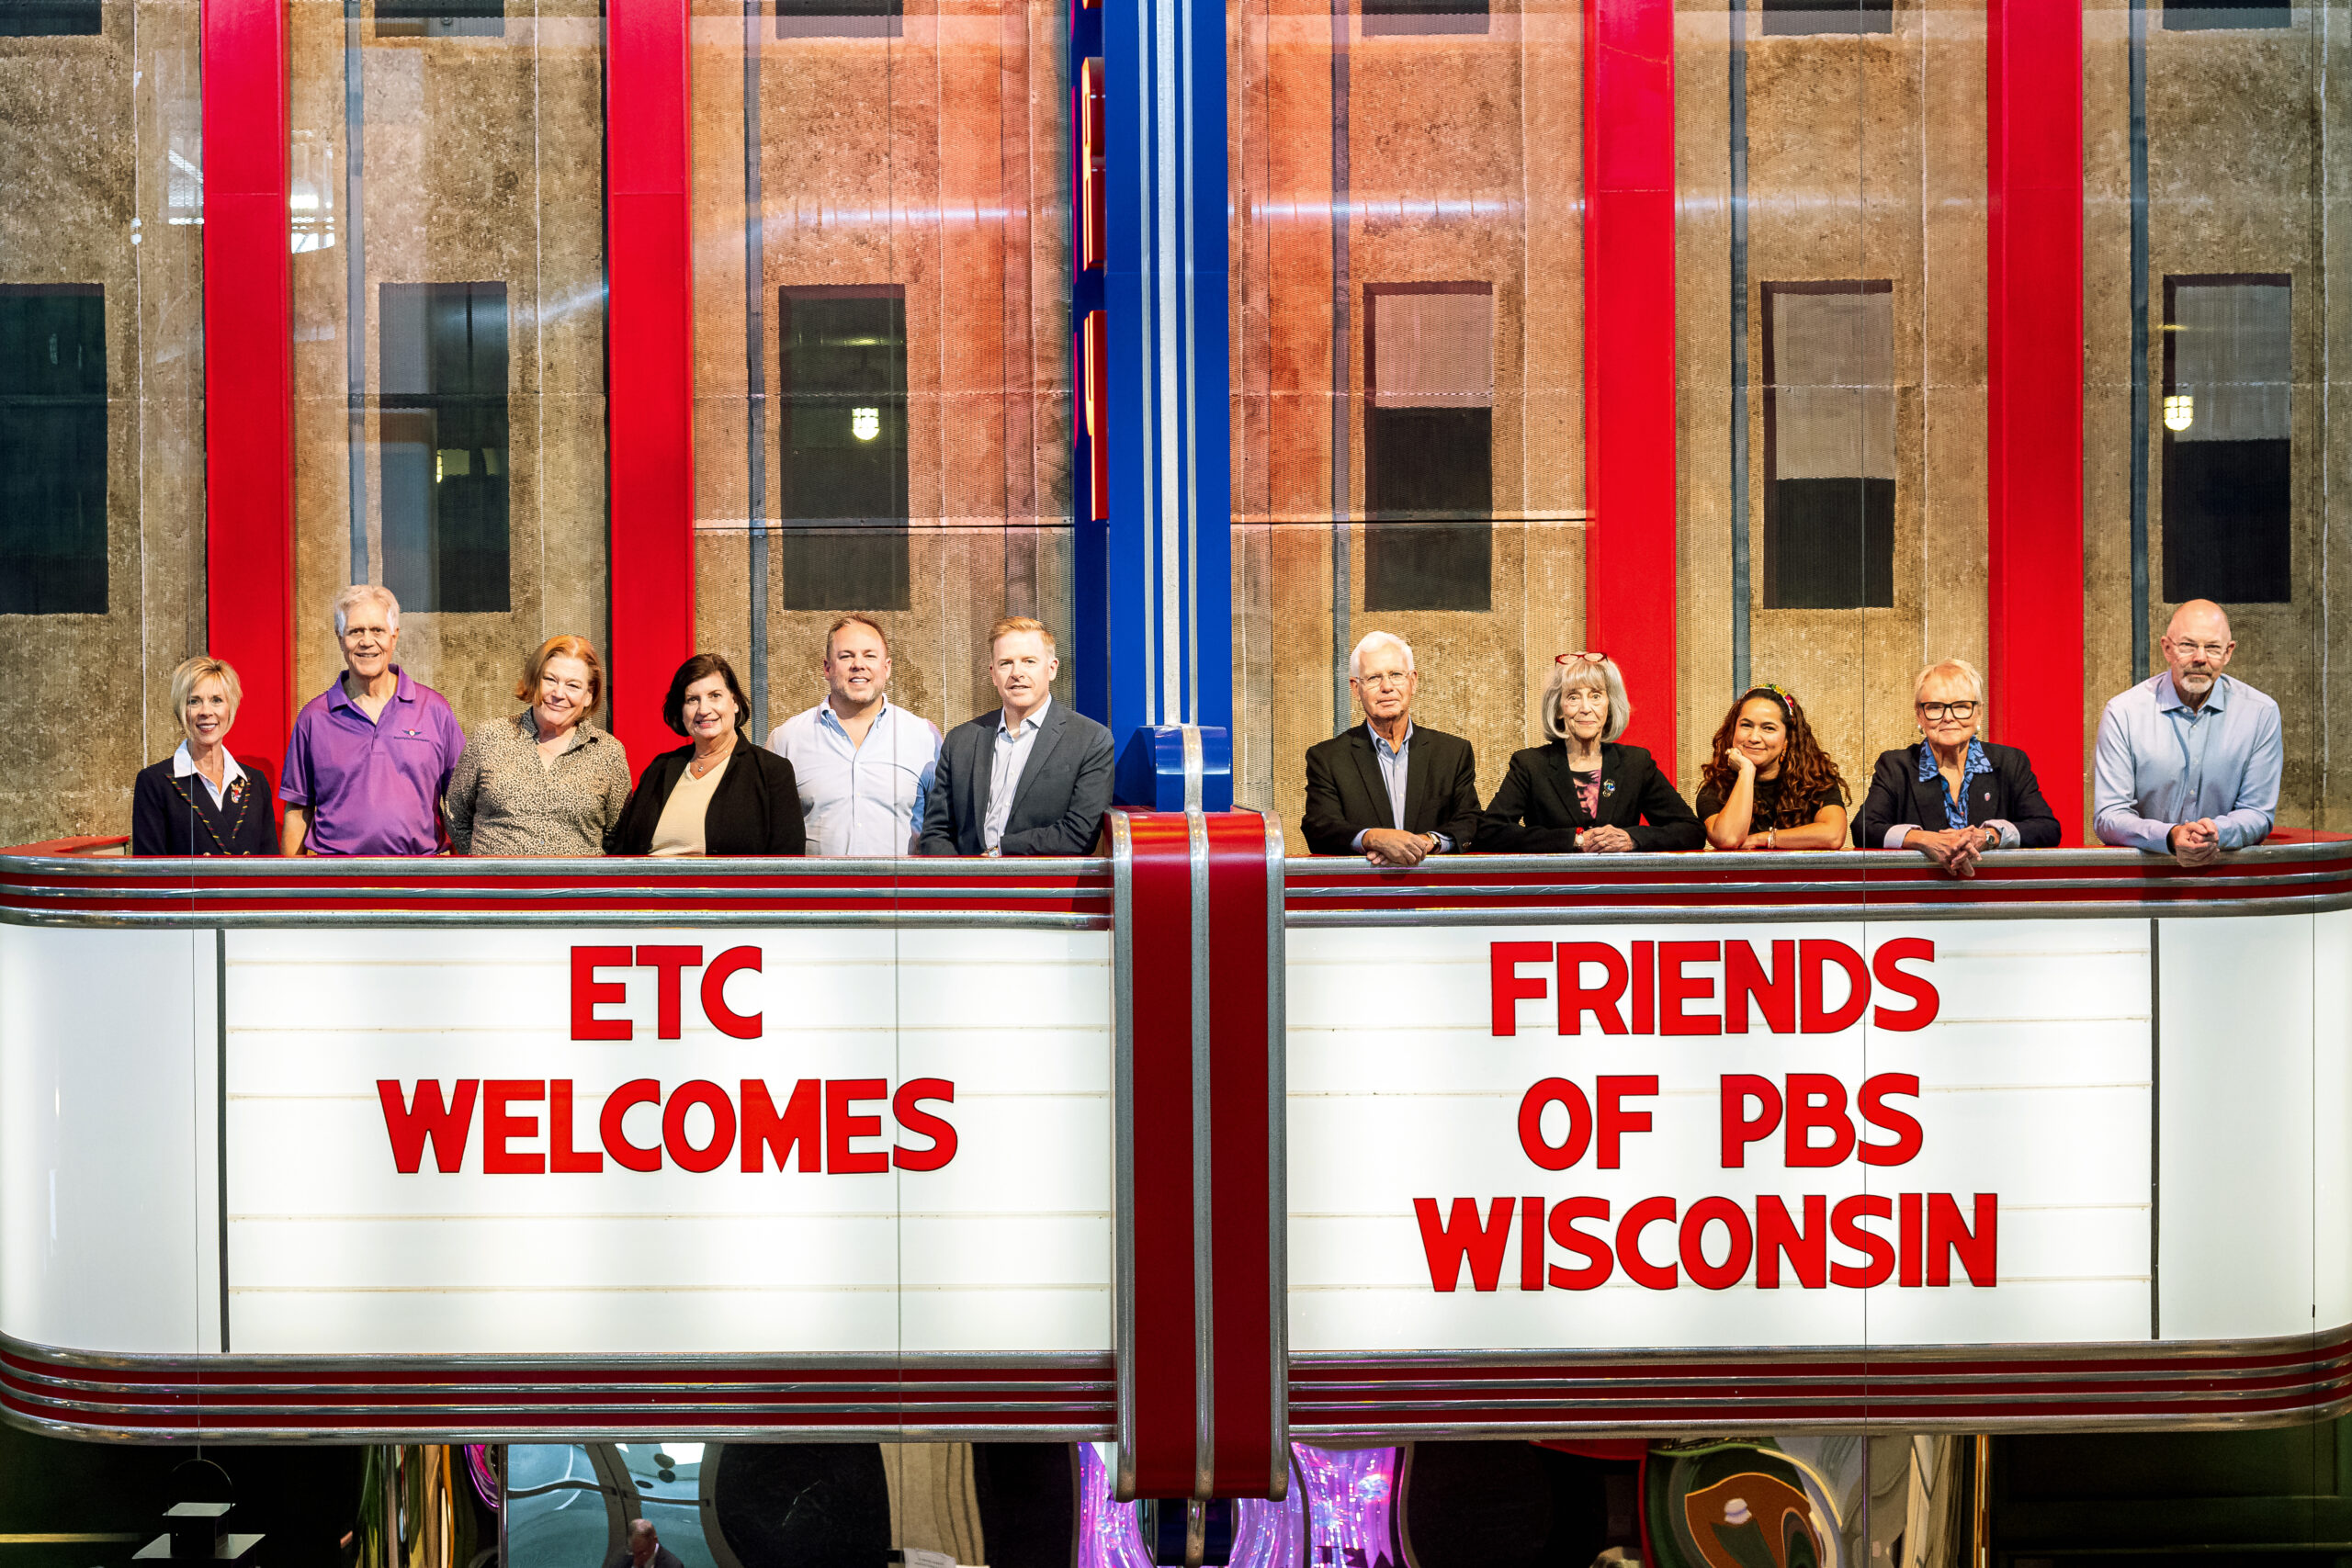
440	18
442	439
1780	16
2226	511
1429	462
53	450
2208	15
1829	543
838	18
1428	566
1397	16
50	19
2228	504
844	416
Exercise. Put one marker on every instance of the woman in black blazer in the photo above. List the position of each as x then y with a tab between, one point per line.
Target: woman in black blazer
200	800
1952	796
720	795
1583	791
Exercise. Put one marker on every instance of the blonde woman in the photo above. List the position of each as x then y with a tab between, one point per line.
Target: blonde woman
1951	795
200	800
1582	791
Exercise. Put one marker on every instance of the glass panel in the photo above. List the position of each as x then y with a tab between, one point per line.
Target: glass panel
2228	497
102	419
448	324
883	337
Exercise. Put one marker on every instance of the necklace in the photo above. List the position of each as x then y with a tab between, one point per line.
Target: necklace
699	766
206	822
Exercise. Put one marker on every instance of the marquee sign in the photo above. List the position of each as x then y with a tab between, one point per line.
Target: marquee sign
1191	1146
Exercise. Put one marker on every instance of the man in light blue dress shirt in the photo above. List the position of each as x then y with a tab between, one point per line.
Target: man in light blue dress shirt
863	763
2188	761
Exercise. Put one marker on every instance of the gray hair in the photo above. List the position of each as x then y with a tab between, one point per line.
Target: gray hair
1586	674
361	593
1961	668
1372	642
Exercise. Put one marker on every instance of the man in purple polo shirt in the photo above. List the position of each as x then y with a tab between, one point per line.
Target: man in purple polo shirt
371	754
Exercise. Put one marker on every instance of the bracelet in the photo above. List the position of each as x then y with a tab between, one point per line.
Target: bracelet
1772	837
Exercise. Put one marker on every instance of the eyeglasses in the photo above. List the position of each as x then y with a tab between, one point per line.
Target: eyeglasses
1582	659
1948	710
2212	650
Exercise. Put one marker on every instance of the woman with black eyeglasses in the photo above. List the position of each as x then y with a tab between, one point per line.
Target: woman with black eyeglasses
1952	797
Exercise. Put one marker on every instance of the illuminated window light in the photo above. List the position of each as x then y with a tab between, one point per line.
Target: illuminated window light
2181	410
865	423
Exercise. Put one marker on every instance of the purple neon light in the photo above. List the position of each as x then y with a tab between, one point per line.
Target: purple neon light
1339	1513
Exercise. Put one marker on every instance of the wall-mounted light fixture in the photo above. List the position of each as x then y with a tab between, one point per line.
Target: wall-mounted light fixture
865	423
2181	410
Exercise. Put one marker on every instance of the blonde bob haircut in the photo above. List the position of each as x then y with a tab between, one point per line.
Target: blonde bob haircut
1590	675
204	666
526	689
1967	672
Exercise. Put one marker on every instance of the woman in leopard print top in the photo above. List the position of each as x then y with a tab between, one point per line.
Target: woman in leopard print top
545	781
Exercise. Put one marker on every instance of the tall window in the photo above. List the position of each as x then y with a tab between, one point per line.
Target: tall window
444	444
2227	507
1828	445
844	387
1429	446
53	450
47	19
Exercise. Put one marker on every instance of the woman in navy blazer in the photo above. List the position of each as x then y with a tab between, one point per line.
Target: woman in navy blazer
200	800
1951	795
1582	791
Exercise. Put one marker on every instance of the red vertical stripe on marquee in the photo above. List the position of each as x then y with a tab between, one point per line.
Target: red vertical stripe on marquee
649	351
1629	352
1246	1461
1161	1151
2033	84
248	367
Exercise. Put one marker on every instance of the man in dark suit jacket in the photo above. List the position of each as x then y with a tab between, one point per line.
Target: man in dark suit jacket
1031	778
1389	790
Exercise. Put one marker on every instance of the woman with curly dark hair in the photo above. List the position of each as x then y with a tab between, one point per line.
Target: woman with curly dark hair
1770	785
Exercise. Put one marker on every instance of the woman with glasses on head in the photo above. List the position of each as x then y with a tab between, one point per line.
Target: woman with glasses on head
1770	785
1582	791
1951	795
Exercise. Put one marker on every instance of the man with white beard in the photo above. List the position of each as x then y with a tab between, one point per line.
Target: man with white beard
2188	761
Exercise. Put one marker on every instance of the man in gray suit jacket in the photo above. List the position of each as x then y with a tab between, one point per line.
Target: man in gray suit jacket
1031	778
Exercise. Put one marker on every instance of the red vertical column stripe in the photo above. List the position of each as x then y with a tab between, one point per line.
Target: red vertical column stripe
649	363
1159	1135
248	367
2033	88
1630	467
1247	1456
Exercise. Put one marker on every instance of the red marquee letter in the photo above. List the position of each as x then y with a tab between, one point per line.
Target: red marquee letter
726	1020
1816	1101
666	963
1555	1156
907	1106
1639	1269
497	1126
1734	1267
1909	1135
1675	987
711	1155
1509	985
1615	1119
410	1125
801	1125
1600	1001
1815	957
1599	1265
562	1155
841	1126
1739	1128
636	1091
587	992
1463	1236
1846	1224
1925	1002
